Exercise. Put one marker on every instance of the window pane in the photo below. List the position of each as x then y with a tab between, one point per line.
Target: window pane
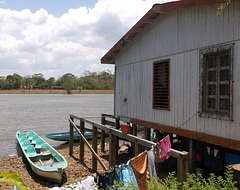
224	89
211	103
211	89
212	76
224	60
224	104
211	61
224	75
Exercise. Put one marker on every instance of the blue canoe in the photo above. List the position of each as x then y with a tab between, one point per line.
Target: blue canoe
64	136
43	158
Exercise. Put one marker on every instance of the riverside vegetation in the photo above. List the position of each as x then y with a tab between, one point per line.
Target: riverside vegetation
89	81
169	183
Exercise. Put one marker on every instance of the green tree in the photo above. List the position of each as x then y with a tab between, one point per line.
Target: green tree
67	81
223	6
50	82
38	80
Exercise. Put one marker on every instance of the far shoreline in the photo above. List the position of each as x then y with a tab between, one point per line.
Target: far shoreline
54	91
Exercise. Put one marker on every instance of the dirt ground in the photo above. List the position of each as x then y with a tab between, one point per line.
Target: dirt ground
47	91
73	172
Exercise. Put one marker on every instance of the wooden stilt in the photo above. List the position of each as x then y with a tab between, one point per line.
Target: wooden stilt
82	129
94	146
117	126
71	138
192	155
112	150
103	122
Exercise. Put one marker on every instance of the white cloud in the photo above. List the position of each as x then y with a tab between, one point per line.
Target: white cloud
34	42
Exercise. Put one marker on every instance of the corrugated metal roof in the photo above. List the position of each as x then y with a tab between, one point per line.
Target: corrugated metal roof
148	18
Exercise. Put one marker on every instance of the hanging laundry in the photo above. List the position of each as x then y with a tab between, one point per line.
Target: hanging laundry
157	152
214	158
126	175
139	166
151	164
108	179
165	146
88	184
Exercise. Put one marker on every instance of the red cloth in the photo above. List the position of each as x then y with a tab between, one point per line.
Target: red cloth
139	166
165	145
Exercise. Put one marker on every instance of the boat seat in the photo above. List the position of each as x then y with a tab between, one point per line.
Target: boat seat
39	143
34	139
31	152
23	138
45	150
20	135
30	135
26	143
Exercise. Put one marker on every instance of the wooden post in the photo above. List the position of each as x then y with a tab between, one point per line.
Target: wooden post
112	150
182	168
94	145
117	126
71	138
134	132
192	156
103	122
82	129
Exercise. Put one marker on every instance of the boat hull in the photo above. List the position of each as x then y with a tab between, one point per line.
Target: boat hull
44	160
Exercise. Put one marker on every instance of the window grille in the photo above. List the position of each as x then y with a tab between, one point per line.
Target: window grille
161	90
216	82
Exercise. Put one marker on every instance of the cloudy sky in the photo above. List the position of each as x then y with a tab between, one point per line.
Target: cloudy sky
55	37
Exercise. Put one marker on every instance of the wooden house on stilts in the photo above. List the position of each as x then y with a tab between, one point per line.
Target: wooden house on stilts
177	71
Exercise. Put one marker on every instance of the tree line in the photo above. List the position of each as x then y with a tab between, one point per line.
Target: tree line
103	80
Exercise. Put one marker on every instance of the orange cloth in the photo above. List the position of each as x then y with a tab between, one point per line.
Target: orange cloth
139	166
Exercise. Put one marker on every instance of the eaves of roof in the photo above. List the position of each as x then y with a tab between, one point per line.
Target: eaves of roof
148	18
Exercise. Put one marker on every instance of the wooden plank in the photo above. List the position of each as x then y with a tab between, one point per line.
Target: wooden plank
94	146
71	138
82	129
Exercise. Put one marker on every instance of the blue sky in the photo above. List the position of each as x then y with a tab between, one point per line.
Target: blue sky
55	37
55	7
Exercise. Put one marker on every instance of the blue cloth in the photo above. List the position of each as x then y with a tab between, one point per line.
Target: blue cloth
107	180
231	159
126	175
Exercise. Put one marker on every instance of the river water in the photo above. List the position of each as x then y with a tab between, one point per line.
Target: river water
46	113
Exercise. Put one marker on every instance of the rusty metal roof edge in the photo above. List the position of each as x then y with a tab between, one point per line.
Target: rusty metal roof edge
156	8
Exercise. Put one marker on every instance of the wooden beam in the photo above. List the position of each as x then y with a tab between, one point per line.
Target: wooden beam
87	143
219	141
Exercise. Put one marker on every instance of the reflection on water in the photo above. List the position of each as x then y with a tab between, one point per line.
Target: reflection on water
46	113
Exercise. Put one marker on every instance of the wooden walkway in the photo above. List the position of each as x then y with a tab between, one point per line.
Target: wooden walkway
114	135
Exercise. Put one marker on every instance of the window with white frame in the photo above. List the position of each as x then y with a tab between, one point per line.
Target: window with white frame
216	82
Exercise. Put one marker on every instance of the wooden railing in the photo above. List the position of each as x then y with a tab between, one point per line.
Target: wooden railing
114	134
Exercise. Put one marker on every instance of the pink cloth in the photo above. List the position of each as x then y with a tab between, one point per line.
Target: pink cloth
165	145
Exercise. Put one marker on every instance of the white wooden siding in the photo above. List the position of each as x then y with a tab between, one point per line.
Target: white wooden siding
178	36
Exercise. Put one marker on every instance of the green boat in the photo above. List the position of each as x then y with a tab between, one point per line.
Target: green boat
44	160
